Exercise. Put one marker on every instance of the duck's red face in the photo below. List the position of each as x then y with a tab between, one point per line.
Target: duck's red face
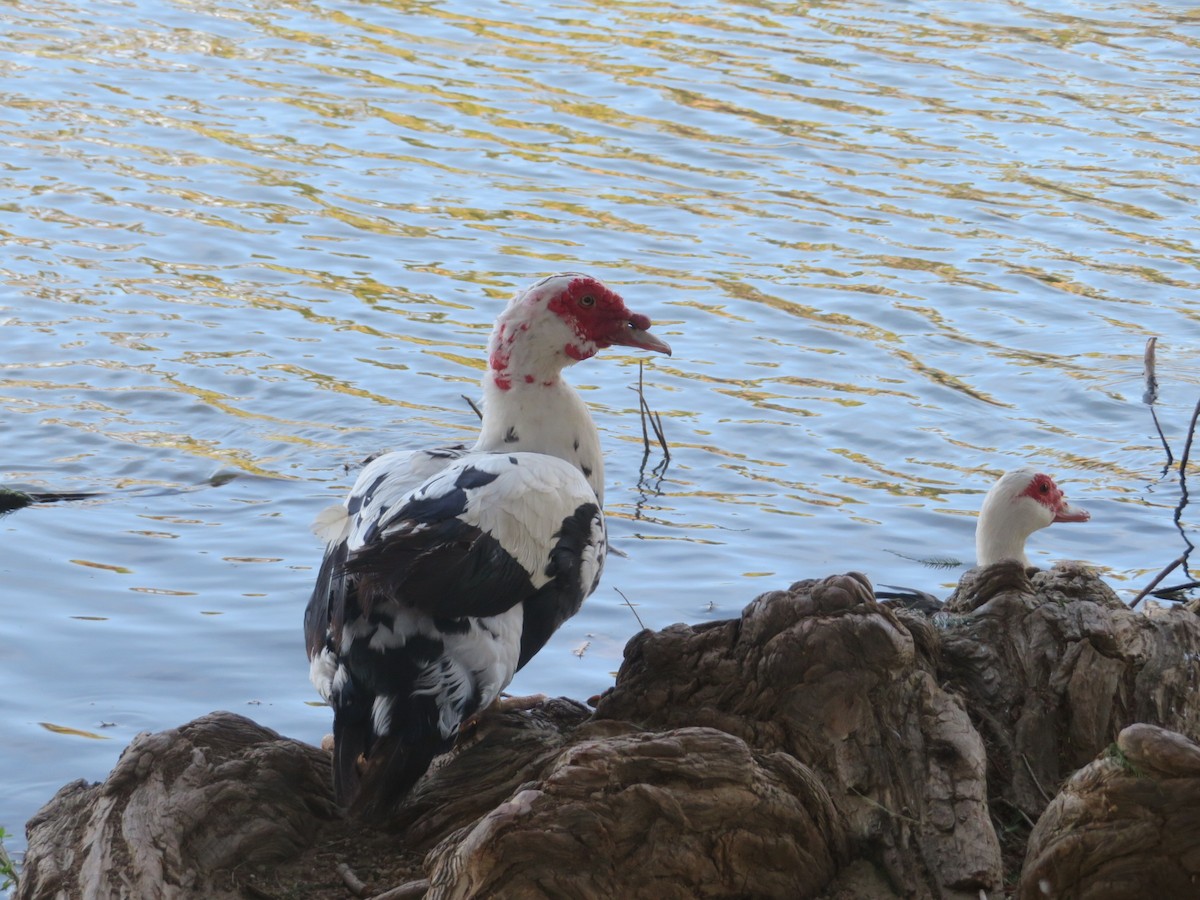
600	318
1043	489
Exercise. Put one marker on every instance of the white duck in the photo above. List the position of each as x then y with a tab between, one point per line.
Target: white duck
448	569
1019	503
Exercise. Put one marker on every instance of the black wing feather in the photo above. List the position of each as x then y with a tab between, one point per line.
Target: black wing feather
432	561
560	598
447	569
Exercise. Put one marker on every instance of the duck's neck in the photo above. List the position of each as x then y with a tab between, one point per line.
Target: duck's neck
994	542
540	414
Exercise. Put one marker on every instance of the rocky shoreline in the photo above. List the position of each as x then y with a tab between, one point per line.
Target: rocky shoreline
1034	738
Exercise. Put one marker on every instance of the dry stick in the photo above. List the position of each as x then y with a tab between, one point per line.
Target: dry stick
655	420
631	609
878	805
642	409
1187	447
1158	577
1017	810
1161	575
471	403
1151	395
1183	488
1036	783
1183	462
357	887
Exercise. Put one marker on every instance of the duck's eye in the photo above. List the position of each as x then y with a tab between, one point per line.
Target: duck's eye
1044	488
587	300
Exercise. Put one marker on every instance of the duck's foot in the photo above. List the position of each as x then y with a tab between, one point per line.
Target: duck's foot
502	704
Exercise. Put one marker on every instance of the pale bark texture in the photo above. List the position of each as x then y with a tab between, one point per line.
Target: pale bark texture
215	794
827	675
1124	827
1054	667
821	745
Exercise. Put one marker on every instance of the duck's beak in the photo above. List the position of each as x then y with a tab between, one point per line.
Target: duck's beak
1068	513
635	332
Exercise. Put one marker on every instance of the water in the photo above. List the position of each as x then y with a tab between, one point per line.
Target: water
897	249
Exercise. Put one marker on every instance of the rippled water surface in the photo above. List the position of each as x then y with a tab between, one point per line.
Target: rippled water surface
897	249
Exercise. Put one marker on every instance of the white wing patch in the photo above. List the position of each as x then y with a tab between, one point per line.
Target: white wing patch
332	524
527	507
322	669
522	509
386	482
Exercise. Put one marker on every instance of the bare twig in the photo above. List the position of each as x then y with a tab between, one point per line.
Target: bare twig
1017	810
1183	489
631	608
1150	395
1187	447
1036	783
1166	446
642	409
355	885
1166	592
878	805
1159	577
655	421
471	403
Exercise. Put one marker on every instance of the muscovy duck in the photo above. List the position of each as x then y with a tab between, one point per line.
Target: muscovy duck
1019	503
448	569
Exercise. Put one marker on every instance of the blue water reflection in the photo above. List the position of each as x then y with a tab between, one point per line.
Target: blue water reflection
896	250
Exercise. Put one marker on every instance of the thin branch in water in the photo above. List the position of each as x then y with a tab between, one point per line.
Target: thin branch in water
1161	575
656	424
1150	395
641	624
642	409
1183	488
471	403
11	499
1187	447
1178	590
655	419
1166	446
